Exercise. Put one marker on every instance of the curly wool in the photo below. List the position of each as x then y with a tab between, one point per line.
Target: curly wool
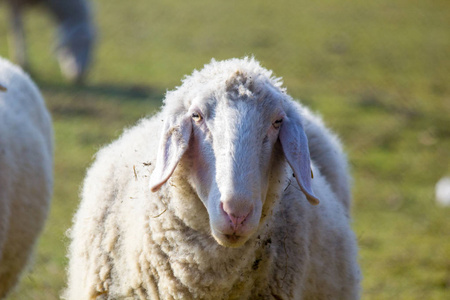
130	242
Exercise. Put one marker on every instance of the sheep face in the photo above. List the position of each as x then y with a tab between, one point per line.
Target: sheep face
231	155
229	135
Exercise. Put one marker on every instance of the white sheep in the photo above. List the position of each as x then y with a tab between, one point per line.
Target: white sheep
226	215
442	191
75	30
26	171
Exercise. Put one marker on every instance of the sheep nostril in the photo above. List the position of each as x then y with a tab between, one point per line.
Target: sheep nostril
236	221
236	218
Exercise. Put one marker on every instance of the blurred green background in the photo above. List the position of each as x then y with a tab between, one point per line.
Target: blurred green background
377	71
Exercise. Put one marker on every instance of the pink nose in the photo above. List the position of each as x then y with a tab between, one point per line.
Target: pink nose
237	217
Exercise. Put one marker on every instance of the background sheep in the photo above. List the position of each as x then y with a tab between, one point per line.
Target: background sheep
75	31
26	146
442	191
234	221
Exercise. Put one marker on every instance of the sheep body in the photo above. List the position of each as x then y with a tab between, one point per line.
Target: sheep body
130	242
26	149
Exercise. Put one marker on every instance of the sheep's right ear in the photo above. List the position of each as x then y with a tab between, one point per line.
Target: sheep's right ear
174	142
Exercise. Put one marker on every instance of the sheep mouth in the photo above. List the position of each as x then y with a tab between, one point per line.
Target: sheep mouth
232	237
230	240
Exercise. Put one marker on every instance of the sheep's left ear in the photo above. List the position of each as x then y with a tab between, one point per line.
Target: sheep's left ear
295	147
174	142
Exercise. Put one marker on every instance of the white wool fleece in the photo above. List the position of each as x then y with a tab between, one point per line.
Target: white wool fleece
212	198
26	171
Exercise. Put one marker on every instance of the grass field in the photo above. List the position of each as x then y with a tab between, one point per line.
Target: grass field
378	72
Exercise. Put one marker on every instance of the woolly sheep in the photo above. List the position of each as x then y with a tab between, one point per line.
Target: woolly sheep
443	191
75	29
26	174
226	214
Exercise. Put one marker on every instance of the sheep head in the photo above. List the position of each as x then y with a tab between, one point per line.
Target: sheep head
229	129
76	35
75	51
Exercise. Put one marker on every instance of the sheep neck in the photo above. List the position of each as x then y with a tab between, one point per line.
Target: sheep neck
201	258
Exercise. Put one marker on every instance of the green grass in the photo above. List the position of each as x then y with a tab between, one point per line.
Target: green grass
378	72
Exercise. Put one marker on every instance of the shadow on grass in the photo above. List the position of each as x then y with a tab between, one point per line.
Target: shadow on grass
137	92
94	100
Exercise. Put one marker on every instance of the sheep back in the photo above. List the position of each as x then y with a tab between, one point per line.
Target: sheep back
26	175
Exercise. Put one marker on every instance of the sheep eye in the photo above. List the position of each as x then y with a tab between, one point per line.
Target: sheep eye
277	123
196	117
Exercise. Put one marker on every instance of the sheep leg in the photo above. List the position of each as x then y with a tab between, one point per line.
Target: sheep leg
17	35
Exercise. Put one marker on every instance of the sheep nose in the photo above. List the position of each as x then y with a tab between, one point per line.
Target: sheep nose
237	214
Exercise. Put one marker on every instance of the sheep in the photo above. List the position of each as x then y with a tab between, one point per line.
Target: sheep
442	191
26	171
75	29
213	198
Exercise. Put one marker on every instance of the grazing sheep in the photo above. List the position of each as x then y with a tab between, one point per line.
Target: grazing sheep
226	214
26	174
443	191
75	29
